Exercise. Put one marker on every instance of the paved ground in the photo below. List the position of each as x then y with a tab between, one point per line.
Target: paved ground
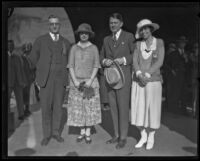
176	137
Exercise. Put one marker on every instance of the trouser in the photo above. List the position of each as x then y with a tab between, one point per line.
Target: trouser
18	91
26	94
51	99
120	102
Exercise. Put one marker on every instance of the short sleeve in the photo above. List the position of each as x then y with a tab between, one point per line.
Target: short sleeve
71	60
96	58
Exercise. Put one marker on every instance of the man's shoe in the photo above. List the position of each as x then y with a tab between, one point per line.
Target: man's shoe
106	107
27	113
113	140
21	118
58	138
121	144
45	141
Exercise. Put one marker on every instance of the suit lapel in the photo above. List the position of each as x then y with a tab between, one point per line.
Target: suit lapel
121	37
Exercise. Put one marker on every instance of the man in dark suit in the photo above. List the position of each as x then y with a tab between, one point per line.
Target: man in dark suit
16	79
177	61
49	54
119	47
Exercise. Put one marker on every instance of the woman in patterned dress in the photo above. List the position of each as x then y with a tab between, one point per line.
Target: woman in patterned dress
146	92
83	66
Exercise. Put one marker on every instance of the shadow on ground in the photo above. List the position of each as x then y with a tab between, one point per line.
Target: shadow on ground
192	150
25	152
181	124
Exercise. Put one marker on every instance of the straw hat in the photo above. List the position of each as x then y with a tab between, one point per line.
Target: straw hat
143	23
115	76
84	27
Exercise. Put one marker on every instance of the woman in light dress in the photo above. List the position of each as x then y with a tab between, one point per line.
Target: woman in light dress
147	83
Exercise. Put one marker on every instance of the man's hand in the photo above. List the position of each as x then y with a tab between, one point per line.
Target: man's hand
108	62
120	60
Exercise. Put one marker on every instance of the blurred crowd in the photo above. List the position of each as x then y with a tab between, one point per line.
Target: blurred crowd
180	72
21	79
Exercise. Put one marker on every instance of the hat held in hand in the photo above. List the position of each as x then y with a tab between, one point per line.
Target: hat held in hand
114	76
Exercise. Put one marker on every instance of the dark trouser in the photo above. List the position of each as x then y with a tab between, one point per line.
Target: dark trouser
51	99
18	91
26	94
120	101
103	90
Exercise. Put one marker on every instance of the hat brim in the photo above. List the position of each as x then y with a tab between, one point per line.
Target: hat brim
155	27
121	81
91	33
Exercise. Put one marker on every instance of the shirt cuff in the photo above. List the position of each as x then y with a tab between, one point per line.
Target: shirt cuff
147	75
124	60
138	72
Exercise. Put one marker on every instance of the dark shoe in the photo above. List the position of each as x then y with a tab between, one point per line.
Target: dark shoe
45	141
58	138
88	140
27	113
113	140
106	107
80	138
21	118
121	144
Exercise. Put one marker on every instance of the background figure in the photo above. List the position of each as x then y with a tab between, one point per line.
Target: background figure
50	55
30	76
194	57
176	89
167	71
119	47
83	66
16	79
146	95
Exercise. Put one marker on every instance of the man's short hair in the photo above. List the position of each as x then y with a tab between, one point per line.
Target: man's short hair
52	16
117	16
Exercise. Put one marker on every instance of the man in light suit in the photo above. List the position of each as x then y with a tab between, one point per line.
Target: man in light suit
49	54
119	47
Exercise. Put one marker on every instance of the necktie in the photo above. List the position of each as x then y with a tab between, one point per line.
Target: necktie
115	40
55	37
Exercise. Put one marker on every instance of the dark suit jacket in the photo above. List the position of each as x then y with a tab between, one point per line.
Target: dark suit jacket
124	48
29	73
16	75
41	58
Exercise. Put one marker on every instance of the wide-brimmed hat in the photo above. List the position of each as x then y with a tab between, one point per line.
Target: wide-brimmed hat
114	76
143	23
84	27
182	39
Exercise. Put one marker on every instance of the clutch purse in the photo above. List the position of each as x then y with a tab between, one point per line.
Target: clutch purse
88	93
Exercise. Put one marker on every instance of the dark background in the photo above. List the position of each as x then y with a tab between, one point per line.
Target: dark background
175	19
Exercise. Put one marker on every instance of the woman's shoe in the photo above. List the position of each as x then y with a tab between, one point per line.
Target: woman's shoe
143	139
80	138
150	141
88	140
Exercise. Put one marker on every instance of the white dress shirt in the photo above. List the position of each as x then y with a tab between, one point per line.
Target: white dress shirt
55	37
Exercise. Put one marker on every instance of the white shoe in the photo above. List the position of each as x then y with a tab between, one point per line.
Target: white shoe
150	141
143	139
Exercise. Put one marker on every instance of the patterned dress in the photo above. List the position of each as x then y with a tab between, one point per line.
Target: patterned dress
83	112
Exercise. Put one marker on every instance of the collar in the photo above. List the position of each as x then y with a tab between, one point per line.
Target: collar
53	36
84	45
9	53
118	34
